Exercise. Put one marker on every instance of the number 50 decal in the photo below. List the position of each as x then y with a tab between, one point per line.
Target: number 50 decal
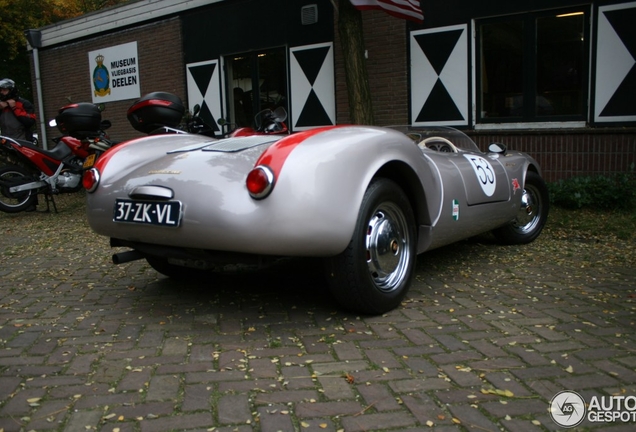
484	172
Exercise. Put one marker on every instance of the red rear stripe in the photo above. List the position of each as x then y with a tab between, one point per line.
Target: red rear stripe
105	157
275	156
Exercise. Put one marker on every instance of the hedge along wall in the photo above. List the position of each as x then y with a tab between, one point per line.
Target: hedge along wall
65	72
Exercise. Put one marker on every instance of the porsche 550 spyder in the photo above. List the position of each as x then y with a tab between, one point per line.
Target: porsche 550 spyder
366	200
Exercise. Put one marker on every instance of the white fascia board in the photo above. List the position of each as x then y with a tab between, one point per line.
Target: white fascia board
116	17
528	125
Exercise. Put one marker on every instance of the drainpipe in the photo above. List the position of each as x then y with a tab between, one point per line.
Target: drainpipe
34	37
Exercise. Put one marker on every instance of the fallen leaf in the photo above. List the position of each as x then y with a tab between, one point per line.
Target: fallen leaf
498	392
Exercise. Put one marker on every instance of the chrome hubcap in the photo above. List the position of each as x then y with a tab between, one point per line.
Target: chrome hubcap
387	246
529	213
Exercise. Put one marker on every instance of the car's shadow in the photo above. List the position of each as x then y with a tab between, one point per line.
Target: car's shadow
295	287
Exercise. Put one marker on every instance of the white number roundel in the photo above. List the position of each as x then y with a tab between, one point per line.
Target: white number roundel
484	172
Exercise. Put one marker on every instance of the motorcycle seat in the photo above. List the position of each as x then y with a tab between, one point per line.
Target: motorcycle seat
22	142
59	152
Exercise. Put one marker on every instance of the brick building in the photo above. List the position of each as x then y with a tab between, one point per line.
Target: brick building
554	78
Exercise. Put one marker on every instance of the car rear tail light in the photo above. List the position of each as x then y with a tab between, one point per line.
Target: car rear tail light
90	180
260	182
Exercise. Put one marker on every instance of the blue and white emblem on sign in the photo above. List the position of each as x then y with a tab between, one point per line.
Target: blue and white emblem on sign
101	77
484	172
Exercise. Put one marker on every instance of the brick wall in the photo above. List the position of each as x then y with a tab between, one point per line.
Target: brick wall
65	72
564	154
561	154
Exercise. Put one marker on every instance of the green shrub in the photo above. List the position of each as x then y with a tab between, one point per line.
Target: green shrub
613	192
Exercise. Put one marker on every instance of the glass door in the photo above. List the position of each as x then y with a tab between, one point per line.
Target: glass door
256	80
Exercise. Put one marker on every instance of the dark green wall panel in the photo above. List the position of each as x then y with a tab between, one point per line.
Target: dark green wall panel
245	25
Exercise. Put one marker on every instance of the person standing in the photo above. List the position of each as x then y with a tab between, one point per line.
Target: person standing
17	115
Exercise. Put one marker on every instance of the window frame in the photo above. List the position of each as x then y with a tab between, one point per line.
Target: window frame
530	78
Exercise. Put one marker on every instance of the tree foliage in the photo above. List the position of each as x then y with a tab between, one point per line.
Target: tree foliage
20	15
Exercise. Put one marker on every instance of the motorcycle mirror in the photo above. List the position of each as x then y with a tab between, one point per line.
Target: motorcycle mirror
101	107
222	122
53	123
196	109
280	115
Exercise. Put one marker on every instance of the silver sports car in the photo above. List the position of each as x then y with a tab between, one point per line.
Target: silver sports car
365	199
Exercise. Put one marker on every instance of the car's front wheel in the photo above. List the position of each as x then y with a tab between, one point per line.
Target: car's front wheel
374	273
532	214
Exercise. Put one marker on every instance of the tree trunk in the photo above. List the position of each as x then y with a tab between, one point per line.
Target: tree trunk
352	42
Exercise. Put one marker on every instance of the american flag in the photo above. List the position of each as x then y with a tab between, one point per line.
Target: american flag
405	9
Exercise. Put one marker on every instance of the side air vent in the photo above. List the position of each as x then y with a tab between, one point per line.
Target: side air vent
309	14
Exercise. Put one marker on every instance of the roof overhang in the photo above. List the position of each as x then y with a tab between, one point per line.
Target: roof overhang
116	17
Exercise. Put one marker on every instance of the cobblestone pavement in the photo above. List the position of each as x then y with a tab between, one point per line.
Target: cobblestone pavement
487	337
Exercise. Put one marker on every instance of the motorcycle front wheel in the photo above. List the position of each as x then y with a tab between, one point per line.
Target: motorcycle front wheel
15	202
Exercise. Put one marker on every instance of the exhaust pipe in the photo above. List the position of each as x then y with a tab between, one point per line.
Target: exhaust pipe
128	256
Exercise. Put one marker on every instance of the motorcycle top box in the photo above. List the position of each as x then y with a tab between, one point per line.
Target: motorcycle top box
79	120
156	110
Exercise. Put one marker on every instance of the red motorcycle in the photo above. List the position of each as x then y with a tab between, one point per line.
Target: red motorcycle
30	170
162	112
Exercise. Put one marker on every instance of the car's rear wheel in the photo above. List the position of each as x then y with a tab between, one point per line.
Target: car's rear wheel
532	215
15	202
374	273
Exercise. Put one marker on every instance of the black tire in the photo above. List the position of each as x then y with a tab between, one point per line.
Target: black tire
374	273
13	175
532	216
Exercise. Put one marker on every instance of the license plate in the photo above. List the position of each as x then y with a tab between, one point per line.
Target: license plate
161	213
89	161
